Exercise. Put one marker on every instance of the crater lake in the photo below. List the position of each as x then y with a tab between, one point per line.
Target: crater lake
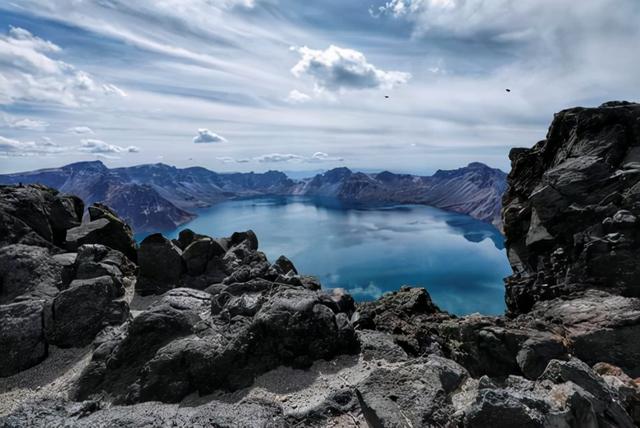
369	251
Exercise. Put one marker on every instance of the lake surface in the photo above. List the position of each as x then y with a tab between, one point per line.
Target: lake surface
370	251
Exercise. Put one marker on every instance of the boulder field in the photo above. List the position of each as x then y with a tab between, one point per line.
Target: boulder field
205	331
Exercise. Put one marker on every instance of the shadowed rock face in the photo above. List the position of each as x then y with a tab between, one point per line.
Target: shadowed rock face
571	212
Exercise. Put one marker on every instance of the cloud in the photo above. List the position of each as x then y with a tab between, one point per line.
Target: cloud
12	147
297	97
505	21
207	137
29	72
99	146
26	123
283	158
278	157
324	157
81	130
339	69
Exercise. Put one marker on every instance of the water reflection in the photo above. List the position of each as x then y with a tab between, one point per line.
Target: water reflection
372	250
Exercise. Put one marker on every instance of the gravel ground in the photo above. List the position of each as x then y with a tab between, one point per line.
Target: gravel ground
54	377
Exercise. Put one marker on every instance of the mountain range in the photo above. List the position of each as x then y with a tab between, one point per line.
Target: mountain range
162	197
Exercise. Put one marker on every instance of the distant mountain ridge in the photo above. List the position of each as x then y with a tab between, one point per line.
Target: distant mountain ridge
159	196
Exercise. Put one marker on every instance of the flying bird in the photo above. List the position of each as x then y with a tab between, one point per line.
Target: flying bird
386	96
508	90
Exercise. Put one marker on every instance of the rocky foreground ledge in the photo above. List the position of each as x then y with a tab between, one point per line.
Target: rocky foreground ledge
202	331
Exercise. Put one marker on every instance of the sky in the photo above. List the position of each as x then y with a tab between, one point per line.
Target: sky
254	85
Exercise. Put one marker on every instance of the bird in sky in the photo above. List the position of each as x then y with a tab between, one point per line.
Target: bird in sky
386	96
508	90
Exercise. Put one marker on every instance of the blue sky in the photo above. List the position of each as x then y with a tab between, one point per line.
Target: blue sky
241	85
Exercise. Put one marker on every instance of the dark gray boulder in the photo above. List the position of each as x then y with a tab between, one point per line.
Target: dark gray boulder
104	228
160	263
283	266
118	360
84	309
22	338
197	255
536	352
37	215
180	345
408	314
249	238
417	393
28	271
599	327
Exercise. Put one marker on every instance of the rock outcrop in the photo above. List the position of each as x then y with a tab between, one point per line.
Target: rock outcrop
572	208
49	296
216	335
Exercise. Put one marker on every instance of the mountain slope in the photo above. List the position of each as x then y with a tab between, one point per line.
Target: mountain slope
159	196
475	190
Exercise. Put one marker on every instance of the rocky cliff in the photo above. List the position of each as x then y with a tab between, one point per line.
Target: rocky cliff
572	210
204	331
161	197
475	190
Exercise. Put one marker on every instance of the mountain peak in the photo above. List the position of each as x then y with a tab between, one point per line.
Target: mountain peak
95	165
478	165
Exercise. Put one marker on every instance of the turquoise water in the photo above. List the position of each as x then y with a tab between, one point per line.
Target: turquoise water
368	252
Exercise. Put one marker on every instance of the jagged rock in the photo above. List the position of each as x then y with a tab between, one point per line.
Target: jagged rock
96	260
375	345
416	393
197	255
283	265
28	271
248	237
536	352
407	314
497	407
116	361
21	336
178	346
571	208
628	389
37	215
602	401
600	327
105	228
161	265
483	345
84	309
186	237
67	261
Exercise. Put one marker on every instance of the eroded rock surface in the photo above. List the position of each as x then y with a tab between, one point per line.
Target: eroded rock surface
572	207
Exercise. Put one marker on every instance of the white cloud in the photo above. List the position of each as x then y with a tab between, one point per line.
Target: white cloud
25	123
338	69
297	97
282	158
99	146
278	157
12	147
205	136
324	157
29	72
81	130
